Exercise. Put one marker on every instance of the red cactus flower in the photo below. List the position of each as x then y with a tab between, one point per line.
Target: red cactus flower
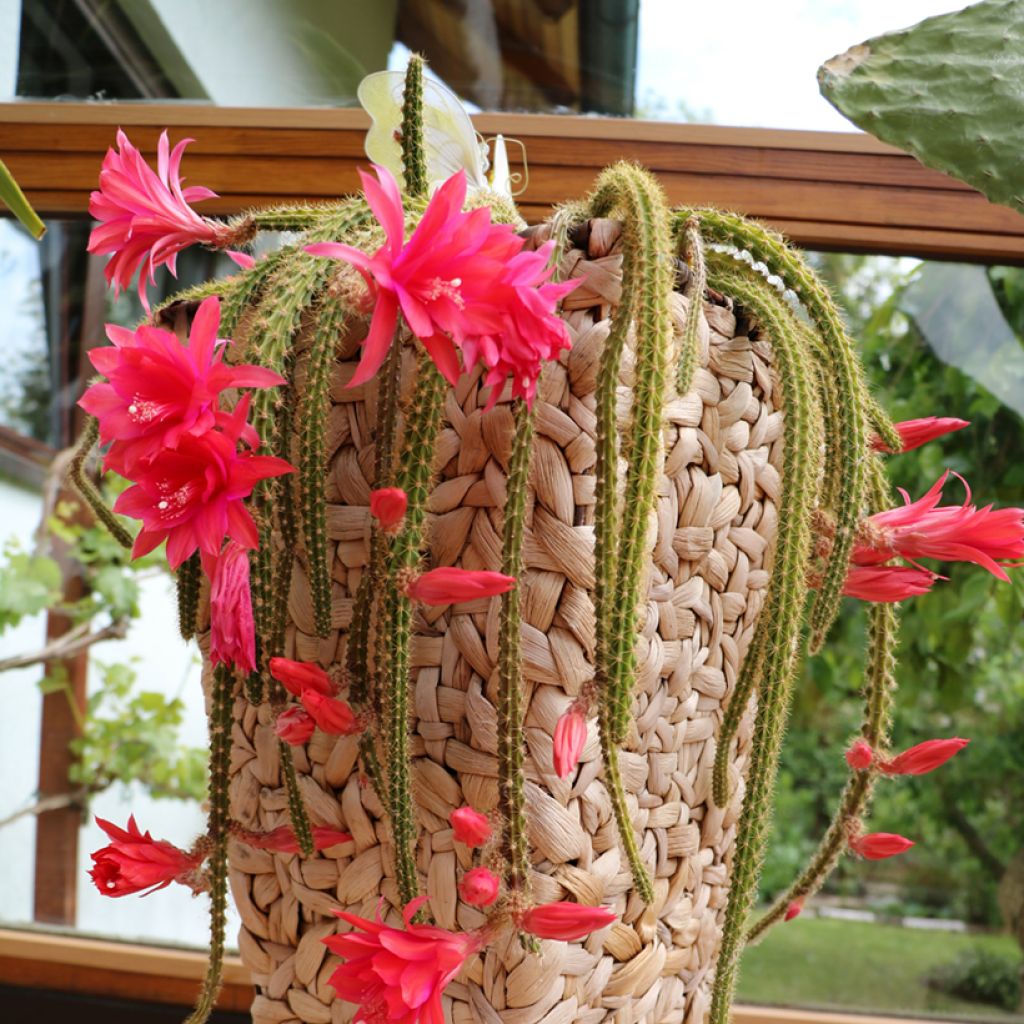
330	714
859	755
387	506
879	845
158	389
299	676
566	921
449	585
915	433
887	582
988	537
193	496
399	974
795	909
568	742
479	887
135	862
283	840
294	726
145	217
470	827
924	757
232	628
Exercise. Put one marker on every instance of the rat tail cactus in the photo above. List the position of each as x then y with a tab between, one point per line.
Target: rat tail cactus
509	649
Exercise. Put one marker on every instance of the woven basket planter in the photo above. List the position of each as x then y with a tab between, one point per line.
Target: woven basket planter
716	523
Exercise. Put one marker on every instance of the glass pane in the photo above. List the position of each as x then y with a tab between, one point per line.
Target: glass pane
637	58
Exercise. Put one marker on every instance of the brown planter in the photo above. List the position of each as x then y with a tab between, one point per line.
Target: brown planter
716	523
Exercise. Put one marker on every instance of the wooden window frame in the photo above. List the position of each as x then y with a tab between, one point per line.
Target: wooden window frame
824	190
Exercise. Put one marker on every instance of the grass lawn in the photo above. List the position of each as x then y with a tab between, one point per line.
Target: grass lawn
846	964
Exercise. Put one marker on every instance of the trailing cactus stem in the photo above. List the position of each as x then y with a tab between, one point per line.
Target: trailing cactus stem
800	479
510	704
415	474
189	578
694	251
85	487
854	401
414	153
879	690
296	807
332	316
221	704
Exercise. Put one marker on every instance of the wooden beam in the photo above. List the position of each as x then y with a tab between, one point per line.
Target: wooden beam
830	190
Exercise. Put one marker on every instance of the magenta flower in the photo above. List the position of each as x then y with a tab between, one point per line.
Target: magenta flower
988	537
398	974
193	496
158	389
330	714
299	676
387	506
136	862
566	921
294	726
887	583
232	628
569	739
880	845
145	217
479	887
449	585
462	283
470	827
924	757
915	433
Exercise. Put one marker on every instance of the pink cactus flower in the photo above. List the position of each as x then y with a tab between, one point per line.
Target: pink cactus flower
887	583
294	726
283	839
988	537
470	827
158	389
398	974
330	714
193	496
449	585
569	740
232	628
859	755
145	217
298	676
135	862
880	845
387	506
924	757
479	887
915	433
566	921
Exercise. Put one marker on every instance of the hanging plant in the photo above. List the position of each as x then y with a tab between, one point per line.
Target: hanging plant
499	546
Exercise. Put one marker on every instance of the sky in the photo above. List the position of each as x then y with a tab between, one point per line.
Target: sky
751	63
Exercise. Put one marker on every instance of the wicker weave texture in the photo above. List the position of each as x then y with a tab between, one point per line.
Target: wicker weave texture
716	524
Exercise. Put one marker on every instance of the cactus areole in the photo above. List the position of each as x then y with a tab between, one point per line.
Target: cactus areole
503	547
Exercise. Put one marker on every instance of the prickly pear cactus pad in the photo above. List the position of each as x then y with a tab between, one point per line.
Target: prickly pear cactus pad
949	90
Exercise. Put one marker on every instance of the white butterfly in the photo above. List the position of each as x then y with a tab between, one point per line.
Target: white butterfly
451	141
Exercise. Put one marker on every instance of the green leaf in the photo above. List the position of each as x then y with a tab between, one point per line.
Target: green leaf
29	584
949	90
14	199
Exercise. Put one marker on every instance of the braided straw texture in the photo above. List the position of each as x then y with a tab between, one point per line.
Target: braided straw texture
716	524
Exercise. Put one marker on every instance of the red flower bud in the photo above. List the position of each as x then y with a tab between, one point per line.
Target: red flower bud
283	840
879	845
299	676
860	755
569	740
387	506
294	726
470	827
924	758
330	714
915	433
479	887
449	585
794	909
566	921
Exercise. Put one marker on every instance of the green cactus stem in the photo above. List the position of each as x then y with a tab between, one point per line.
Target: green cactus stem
693	248
414	152
218	817
86	488
415	475
189	578
297	813
854	400
620	540
800	478
511	704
